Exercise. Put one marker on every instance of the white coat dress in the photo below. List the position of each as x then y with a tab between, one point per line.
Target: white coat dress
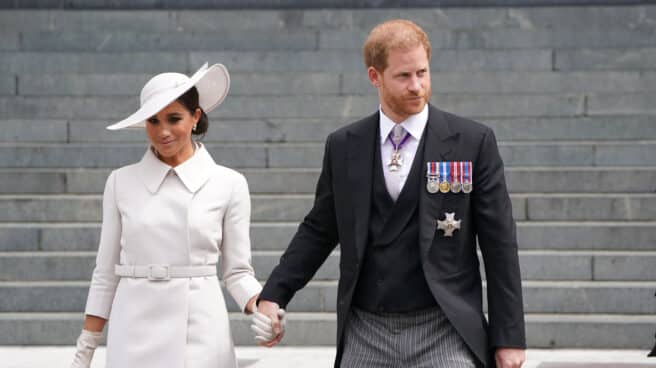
187	216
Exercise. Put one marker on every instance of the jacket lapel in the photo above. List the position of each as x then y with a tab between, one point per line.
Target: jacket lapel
360	156
440	143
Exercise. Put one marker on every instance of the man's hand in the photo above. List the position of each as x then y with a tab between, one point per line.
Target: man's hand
272	311
509	357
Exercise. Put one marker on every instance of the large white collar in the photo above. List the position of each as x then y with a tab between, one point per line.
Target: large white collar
193	173
414	124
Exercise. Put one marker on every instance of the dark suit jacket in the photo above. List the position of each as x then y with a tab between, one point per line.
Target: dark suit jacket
341	214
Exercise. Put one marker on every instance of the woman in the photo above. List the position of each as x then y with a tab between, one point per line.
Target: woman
166	220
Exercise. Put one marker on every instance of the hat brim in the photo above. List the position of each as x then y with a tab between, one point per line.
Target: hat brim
211	82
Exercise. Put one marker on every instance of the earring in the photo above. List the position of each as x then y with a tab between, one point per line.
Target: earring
195	126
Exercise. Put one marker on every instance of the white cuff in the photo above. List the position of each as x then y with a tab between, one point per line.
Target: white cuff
244	290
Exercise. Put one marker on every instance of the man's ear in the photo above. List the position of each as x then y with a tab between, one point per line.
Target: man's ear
374	76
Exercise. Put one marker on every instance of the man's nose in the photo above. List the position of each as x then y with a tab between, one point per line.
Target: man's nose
415	84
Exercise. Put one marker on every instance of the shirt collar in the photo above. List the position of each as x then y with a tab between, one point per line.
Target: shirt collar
193	173
414	124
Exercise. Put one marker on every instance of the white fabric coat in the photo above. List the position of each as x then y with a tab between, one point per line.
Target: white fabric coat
187	215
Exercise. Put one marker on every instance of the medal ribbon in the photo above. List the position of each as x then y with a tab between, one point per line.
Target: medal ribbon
454	171
397	147
468	172
446	170
461	171
431	169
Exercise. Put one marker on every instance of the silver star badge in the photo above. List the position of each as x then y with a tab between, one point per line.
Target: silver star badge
449	224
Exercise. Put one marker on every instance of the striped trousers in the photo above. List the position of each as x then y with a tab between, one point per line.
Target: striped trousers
419	340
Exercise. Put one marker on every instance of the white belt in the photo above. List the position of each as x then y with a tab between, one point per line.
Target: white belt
157	272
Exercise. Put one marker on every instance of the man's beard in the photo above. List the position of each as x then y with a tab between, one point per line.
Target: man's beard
401	105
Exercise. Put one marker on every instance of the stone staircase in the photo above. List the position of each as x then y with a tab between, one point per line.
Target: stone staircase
569	91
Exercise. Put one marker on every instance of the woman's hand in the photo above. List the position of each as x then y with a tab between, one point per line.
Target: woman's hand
86	346
268	324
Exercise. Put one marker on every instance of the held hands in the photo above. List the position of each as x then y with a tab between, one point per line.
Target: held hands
86	346
268	323
509	357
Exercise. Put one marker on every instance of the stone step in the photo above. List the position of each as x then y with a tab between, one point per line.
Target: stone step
8	84
319	83
348	108
598	128
510	82
497	38
532	235
247	40
570	17
310	155
589	331
208	20
320	296
303	181
241	84
333	61
609	59
289	83
319	329
535	265
345	108
341	61
526	207
310	329
322	39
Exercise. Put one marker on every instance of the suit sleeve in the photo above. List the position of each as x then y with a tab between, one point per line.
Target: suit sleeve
313	242
104	281
495	227
236	269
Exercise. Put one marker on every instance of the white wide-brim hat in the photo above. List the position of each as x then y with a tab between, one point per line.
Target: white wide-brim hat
212	83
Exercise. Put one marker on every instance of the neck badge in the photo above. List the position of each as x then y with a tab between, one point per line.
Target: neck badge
396	162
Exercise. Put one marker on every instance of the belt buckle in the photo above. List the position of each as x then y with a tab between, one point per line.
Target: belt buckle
159	272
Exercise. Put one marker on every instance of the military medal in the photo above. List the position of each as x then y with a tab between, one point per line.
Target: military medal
445	186
456	171
396	162
467	180
449	224
432	177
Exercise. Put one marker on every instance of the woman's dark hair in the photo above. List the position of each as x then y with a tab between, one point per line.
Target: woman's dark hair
189	100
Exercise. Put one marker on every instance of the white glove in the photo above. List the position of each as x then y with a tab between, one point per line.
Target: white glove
86	346
262	326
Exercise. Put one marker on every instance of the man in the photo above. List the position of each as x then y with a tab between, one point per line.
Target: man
405	192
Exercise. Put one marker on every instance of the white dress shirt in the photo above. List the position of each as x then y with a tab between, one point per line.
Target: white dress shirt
414	125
